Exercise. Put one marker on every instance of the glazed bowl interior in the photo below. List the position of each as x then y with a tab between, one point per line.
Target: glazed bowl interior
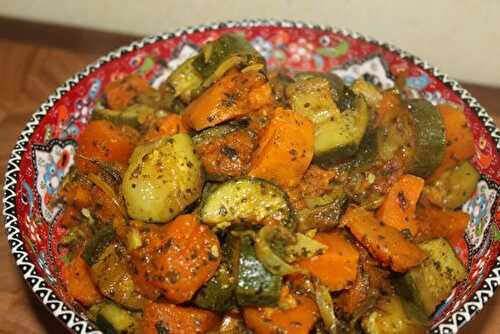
45	149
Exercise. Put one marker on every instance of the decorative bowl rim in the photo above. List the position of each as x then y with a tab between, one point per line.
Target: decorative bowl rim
78	324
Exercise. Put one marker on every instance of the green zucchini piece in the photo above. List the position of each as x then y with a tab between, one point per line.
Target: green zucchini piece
430	138
112	319
338	138
228	51
339	125
246	200
336	83
113	280
323	216
162	179
393	314
133	116
454	187
104	235
218	293
431	282
219	131
255	285
186	81
369	91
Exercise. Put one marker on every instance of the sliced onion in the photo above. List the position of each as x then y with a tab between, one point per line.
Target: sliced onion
274	263
106	188
325	305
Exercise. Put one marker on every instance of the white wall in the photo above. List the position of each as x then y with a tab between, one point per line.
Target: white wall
461	37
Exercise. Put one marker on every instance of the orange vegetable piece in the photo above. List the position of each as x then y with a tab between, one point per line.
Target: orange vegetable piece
178	258
459	140
104	141
436	223
167	126
385	243
398	209
388	107
337	266
173	319
120	93
285	149
271	320
232	96
78	282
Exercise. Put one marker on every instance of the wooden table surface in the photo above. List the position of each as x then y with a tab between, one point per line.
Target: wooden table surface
34	60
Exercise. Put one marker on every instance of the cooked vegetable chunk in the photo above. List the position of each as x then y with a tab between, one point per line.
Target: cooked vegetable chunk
438	223
246	200
337	266
167	126
459	140
226	52
104	141
162	179
398	209
78	282
171	252
133	116
394	315
161	318
121	93
384	242
112	319
453	187
298	319
430	139
226	155
111	276
337	134
233	96
218	293
285	149
186	81
255	284
431	282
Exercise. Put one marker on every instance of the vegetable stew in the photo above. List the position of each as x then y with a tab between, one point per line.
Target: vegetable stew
233	199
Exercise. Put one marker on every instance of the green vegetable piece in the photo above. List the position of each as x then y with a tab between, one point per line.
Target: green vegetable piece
322	213
218	293
454	187
339	116
112	319
430	138
394	315
110	273
186	81
246	200
255	284
226	52
162	179
428	284
102	238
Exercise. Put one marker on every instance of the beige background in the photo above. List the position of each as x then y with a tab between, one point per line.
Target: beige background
461	37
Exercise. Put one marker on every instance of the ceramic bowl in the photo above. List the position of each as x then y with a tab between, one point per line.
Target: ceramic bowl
45	149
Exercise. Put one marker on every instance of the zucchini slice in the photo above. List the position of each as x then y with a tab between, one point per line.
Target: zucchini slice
255	285
430	138
102	238
338	138
218	293
228	51
219	131
246	200
186	81
428	284
395	315
162	179
113	280
339	116
112	319
454	187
